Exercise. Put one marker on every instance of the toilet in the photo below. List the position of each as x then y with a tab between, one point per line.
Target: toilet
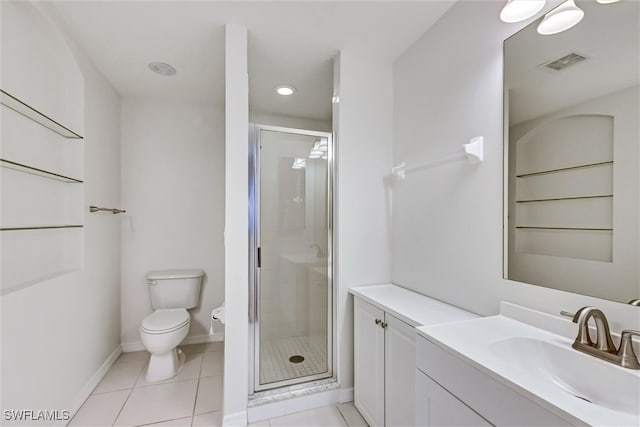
172	292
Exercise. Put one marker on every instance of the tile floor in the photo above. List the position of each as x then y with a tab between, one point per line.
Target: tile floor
125	398
193	398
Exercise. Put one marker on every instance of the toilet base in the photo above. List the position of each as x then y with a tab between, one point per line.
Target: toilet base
164	366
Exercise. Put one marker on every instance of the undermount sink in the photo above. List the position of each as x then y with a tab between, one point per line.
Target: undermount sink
575	373
530	352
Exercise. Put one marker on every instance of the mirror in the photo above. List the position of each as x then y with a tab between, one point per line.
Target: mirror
571	154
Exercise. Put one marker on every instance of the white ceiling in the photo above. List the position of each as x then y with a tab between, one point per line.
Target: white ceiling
289	42
608	35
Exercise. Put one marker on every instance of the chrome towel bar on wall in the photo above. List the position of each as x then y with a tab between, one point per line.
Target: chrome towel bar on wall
114	211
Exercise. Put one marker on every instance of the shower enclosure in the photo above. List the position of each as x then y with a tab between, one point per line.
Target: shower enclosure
290	256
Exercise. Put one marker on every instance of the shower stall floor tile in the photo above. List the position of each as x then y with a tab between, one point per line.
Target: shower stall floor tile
280	359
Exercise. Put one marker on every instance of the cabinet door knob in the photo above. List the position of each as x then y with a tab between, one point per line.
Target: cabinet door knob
378	321
384	325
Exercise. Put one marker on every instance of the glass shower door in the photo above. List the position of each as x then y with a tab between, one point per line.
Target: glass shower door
293	278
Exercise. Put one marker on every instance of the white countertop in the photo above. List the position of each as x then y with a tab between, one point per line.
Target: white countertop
410	307
474	341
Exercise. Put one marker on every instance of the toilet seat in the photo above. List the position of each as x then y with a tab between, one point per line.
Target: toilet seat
165	321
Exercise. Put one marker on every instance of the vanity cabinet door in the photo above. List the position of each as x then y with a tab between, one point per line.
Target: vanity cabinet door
400	362
368	348
435	406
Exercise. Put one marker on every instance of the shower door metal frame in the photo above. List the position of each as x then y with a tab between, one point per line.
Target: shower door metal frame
254	270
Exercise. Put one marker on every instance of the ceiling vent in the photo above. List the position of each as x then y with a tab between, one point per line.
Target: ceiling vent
565	62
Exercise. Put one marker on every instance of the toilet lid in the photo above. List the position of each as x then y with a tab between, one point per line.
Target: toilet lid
161	321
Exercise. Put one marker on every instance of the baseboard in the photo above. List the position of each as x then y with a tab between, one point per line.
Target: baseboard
238	419
92	383
346	395
128	347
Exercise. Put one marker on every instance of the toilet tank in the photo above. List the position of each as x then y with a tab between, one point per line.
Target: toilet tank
174	288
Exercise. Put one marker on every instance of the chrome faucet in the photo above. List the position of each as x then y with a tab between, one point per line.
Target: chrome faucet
604	348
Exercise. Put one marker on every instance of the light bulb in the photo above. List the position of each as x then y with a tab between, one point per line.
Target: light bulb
519	10
561	18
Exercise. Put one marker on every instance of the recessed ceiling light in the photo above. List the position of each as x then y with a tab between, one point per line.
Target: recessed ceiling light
162	68
285	90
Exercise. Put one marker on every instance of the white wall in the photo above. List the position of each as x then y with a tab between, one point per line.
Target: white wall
447	228
173	191
57	334
236	263
363	128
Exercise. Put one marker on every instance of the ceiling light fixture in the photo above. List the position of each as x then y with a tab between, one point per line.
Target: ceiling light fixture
315	154
561	18
607	1
519	10
299	163
162	68
285	90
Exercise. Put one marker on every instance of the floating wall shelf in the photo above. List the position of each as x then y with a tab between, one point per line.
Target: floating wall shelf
35	115
36	171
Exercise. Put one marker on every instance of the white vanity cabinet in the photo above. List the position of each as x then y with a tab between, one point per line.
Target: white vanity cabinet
451	392
368	369
385	317
435	406
384	351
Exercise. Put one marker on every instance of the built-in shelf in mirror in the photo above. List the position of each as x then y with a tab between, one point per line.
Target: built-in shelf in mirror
41	227
563	228
524	175
36	171
571	175
556	199
26	110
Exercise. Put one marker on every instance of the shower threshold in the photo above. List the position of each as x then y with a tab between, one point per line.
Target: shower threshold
292	391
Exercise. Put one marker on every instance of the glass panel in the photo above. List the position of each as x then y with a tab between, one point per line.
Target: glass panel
293	273
35	115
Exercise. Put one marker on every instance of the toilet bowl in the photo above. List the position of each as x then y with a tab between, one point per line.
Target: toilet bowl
161	332
172	293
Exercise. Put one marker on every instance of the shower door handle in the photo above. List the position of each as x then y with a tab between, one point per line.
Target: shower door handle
259	257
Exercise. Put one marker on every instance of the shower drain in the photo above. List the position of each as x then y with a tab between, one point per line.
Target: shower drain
296	359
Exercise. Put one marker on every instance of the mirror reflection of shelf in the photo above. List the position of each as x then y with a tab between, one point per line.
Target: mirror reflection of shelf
524	175
26	110
36	171
41	227
556	199
522	227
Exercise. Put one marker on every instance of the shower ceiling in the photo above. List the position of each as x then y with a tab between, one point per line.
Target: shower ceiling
291	42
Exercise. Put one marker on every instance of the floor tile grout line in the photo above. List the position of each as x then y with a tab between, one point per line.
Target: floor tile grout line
93	392
128	396
342	415
157	422
130	389
195	400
